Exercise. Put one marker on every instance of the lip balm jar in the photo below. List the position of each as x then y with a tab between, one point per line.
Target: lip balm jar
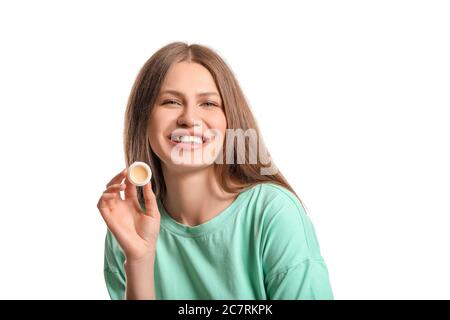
139	173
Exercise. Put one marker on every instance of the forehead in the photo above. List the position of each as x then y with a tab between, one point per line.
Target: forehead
188	76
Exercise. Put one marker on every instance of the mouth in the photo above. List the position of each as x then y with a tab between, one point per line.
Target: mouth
189	141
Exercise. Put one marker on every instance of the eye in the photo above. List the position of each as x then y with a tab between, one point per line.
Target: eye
171	102
210	104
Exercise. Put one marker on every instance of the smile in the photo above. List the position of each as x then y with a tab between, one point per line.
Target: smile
188	142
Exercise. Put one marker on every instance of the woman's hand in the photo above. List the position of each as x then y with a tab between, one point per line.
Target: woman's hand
135	230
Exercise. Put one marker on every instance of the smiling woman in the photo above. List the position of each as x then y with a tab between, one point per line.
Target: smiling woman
205	227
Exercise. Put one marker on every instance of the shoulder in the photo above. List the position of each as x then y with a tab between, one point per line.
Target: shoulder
278	213
287	232
281	205
273	199
275	192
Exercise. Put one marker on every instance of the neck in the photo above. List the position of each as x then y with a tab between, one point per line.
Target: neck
194	196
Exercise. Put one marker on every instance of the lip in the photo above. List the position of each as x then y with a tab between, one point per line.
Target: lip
206	138
189	145
190	132
186	132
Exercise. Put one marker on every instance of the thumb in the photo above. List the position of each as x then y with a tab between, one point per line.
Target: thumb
151	206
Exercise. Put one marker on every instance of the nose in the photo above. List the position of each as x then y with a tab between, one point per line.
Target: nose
188	118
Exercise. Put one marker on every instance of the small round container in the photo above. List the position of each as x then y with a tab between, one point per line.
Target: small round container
139	173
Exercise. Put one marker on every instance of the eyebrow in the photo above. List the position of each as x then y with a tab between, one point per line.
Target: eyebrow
201	94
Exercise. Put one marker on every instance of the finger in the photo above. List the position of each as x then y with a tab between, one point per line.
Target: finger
151	206
115	188
131	193
104	203
105	200
101	204
118	178
108	196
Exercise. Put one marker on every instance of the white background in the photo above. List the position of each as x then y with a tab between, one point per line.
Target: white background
352	98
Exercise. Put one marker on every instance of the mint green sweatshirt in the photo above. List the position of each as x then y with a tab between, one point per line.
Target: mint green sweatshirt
262	246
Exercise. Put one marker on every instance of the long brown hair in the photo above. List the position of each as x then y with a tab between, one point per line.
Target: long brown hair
234	177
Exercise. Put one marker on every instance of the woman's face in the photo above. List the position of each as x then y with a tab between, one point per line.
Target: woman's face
187	123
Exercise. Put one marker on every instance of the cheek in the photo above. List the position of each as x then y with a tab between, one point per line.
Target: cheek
158	115
159	118
156	121
218	121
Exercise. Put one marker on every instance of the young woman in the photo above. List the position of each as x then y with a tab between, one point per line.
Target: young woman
214	222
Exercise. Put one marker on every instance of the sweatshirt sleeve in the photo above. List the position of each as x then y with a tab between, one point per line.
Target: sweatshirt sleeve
113	270
293	266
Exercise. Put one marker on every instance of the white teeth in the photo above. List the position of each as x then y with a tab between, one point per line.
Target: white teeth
194	139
